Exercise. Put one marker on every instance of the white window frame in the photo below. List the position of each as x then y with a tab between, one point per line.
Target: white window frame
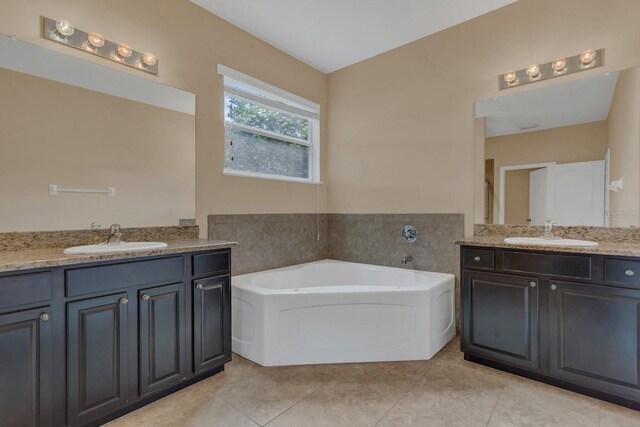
239	85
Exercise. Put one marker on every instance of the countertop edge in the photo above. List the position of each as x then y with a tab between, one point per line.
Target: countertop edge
51	258
604	248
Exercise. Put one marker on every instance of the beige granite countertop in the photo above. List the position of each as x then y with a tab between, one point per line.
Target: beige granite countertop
604	248
46	258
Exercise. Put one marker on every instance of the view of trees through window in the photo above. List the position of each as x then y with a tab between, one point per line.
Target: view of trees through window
250	152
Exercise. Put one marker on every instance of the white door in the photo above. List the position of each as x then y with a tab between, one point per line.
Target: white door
538	196
576	193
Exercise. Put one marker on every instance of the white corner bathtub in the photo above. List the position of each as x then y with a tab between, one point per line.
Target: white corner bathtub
340	312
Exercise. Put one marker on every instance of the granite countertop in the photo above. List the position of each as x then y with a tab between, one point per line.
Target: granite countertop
603	248
46	258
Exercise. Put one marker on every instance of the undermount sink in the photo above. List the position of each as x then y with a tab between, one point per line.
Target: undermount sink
109	248
550	242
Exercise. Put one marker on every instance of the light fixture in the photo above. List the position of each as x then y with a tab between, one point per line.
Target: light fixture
95	41
64	28
61	31
149	59
588	58
510	78
533	71
559	65
124	51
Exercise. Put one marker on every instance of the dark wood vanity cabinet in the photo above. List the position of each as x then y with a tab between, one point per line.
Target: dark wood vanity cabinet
571	320
81	345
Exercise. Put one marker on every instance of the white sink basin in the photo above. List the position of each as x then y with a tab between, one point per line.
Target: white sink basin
548	242
104	248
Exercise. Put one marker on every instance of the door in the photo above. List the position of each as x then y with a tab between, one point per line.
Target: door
211	322
500	318
538	196
96	357
594	337
25	364
162	312
576	193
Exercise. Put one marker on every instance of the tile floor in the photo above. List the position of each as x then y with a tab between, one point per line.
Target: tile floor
445	391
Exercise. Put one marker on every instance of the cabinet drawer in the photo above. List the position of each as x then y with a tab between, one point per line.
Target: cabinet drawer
89	280
478	258
24	289
622	272
211	263
573	266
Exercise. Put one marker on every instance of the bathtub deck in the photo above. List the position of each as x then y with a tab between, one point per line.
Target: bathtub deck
445	391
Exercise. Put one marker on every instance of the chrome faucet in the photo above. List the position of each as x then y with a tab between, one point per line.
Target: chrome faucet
115	235
406	260
549	233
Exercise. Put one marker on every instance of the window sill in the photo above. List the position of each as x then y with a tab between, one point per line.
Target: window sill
270	177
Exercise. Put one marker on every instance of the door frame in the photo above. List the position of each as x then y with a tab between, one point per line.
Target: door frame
503	173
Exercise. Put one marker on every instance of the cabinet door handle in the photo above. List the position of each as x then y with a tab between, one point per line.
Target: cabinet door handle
199	286
532	284
44	317
554	287
145	297
124	301
476	259
630	273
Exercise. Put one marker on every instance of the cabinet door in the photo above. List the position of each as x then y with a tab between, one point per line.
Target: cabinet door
500	318
25	368
594	337
96	357
162	334
211	322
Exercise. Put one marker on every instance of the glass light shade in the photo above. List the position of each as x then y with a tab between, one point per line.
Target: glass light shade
64	27
149	59
510	77
533	71
587	57
124	50
559	64
95	40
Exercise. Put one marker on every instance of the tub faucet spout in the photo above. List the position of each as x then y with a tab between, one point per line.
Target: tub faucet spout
406	260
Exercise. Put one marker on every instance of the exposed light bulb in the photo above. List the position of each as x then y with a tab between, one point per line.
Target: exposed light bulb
95	40
559	65
64	28
510	77
124	50
533	71
587	57
149	59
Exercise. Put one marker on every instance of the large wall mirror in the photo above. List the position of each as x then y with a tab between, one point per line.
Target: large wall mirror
569	152
126	142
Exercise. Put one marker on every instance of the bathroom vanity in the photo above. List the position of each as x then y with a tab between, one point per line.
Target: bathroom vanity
84	342
565	317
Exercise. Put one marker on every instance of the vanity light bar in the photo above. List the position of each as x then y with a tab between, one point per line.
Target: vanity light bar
558	67
61	31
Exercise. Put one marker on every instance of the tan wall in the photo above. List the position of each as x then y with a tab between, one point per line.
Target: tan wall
568	144
624	141
402	123
52	133
516	195
189	43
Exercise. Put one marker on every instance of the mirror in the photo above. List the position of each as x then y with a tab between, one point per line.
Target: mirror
81	143
567	152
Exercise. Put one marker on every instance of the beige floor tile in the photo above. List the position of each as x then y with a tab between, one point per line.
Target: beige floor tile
527	403
448	395
347	404
323	375
617	416
266	395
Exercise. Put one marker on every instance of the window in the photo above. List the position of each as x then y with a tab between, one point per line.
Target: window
269	133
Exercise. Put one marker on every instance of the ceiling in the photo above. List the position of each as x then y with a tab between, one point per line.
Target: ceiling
332	34
580	101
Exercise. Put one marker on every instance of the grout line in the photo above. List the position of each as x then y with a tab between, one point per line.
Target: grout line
415	384
290	407
494	408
